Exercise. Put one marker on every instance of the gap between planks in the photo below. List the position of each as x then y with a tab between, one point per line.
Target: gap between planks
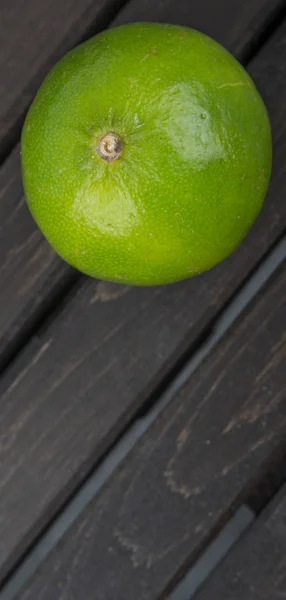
47	309
260	497
91	487
255	568
214	554
274	20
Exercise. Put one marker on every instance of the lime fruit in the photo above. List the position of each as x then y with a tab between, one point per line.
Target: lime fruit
146	154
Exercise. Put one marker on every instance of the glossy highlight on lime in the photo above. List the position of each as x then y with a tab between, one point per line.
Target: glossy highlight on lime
146	154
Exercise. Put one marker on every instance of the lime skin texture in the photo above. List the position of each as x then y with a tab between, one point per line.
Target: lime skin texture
192	145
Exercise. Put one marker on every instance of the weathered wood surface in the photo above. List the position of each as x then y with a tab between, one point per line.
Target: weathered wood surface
256	568
80	381
34	35
187	473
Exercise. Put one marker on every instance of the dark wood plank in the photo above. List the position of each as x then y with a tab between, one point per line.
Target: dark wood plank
256	568
186	474
34	35
31	275
83	377
236	24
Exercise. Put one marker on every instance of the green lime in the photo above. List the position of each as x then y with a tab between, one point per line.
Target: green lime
146	154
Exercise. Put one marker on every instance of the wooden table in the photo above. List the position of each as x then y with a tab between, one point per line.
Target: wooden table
182	386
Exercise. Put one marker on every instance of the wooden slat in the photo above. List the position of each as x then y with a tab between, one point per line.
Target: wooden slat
235	24
82	379
256	568
31	275
186	474
34	35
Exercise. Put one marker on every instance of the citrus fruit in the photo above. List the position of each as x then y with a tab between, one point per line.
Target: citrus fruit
146	154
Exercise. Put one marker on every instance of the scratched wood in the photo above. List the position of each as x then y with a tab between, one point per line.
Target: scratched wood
256	568
34	35
81	380
31	275
187	473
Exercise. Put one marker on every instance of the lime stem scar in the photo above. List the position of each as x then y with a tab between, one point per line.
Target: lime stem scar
110	146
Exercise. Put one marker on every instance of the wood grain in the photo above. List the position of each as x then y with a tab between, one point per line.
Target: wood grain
186	475
34	35
256	568
81	380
